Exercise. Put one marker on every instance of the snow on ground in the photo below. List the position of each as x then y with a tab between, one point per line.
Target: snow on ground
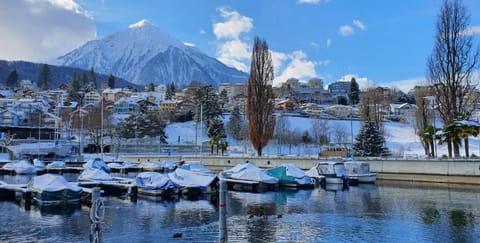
400	138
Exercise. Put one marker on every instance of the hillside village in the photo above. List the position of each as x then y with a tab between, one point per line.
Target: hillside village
27	112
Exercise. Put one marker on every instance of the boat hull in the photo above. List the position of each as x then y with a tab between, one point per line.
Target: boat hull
57	197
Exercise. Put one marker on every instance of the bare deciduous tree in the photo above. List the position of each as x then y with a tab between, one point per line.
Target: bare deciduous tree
260	98
451	64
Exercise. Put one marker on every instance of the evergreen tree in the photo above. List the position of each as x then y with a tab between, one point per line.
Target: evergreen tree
236	125
342	100
150	87
216	133
44	77
12	79
74	89
354	92
370	141
92	79
111	81
223	98
139	125
207	99
170	92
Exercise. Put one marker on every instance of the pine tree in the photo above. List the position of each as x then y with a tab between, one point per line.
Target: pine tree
111	81
12	79
236	125
170	92
74	89
354	92
207	99
216	133
44	77
370	141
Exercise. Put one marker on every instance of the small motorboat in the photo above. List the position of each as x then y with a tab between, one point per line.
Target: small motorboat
192	182
334	172
155	184
168	165
248	177
150	166
289	175
95	170
360	171
54	189
22	167
97	163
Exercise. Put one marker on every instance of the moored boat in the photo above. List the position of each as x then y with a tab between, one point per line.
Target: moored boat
289	175
248	177
192	182
360	170
22	167
54	189
155	184
334	172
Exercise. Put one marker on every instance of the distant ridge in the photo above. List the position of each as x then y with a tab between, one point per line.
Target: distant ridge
30	70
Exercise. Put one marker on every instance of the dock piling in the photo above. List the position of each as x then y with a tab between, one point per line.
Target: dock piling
28	199
223	211
133	193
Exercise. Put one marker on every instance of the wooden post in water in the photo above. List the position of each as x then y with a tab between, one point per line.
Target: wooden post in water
28	199
223	211
133	192
96	216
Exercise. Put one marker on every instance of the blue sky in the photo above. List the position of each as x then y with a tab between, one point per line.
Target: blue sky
379	42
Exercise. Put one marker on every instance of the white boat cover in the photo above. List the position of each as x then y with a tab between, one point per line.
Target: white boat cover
154	181
97	163
44	148
51	183
150	165
249	172
187	178
95	175
21	167
38	163
168	164
197	168
293	171
56	165
357	167
332	168
123	165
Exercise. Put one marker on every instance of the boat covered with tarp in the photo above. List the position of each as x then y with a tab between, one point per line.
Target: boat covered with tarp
190	180
249	177
155	184
334	172
21	167
289	175
97	163
54	189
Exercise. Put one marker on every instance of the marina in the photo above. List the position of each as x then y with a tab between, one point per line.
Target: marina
382	212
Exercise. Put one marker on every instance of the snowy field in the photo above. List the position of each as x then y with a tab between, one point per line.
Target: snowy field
400	138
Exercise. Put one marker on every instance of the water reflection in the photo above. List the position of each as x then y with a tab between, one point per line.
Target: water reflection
386	212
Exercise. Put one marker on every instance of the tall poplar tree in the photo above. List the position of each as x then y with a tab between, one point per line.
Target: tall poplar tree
260	98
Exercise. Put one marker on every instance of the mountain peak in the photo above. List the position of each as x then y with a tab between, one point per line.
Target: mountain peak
140	24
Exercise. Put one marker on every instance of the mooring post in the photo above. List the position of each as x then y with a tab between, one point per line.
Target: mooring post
223	211
133	191
28	199
97	212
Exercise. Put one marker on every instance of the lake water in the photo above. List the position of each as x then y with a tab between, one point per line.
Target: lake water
385	212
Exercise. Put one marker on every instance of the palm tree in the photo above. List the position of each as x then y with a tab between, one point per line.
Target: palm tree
465	129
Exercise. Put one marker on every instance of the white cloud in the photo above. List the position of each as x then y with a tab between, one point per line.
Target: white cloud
298	67
472	30
329	42
232	49
39	31
234	53
363	82
234	24
406	84
278	58
203	32
359	24
189	44
346	30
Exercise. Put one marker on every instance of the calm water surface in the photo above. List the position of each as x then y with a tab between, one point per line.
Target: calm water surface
385	212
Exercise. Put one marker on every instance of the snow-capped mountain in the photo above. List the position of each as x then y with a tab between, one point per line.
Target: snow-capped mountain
144	54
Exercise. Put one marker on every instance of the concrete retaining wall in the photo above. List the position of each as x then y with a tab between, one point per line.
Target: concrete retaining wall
447	171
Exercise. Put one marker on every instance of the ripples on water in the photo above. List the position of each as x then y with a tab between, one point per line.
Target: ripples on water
387	212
